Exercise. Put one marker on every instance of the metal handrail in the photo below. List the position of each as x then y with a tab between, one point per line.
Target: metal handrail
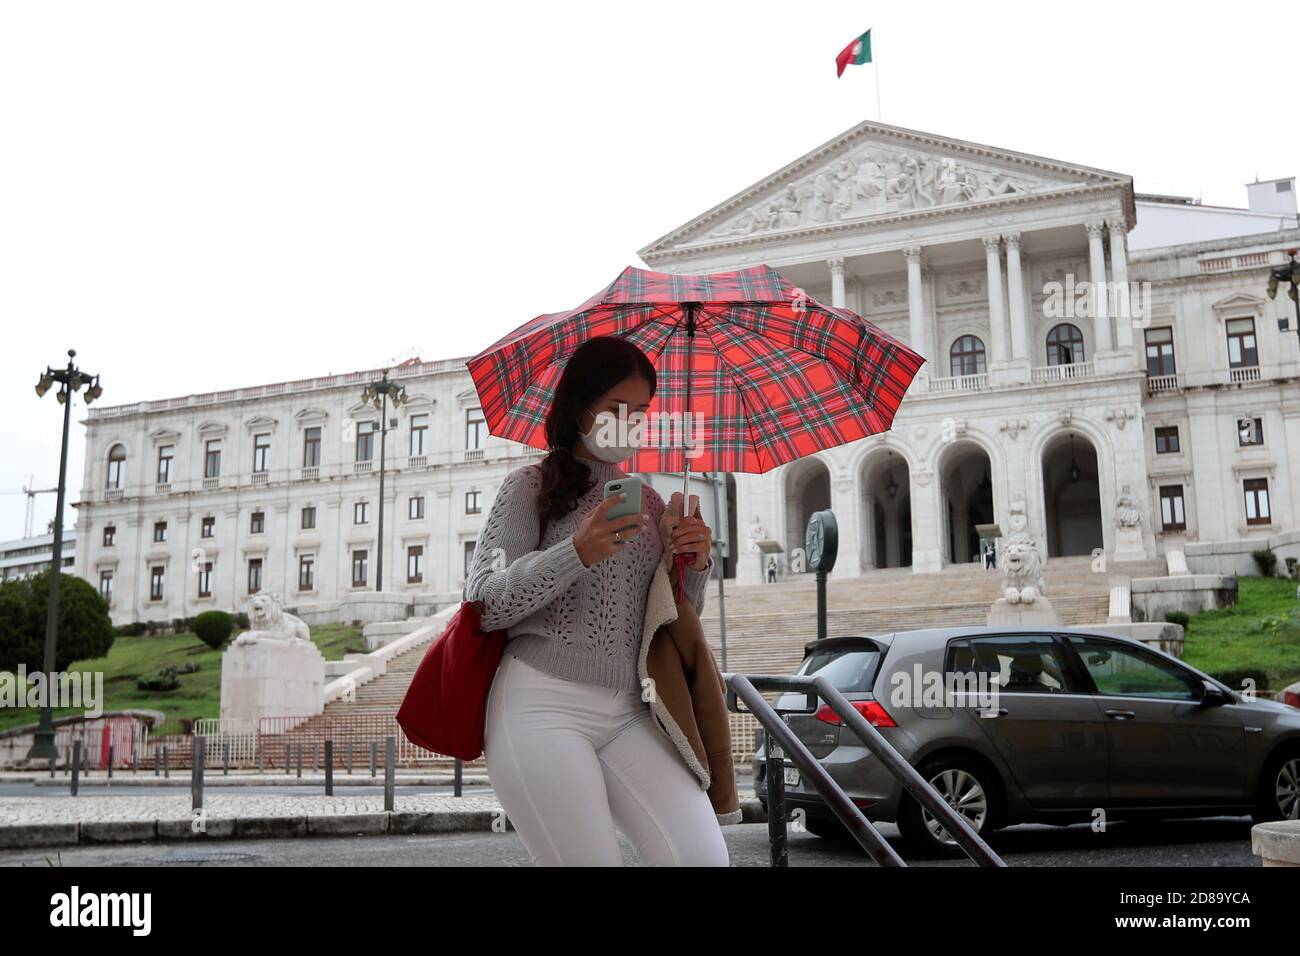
747	687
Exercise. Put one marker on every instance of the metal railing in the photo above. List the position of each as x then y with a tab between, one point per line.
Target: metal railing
746	687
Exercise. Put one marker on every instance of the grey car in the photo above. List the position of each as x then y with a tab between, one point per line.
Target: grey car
1020	724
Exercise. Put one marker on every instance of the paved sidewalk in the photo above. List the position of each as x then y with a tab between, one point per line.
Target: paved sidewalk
215	778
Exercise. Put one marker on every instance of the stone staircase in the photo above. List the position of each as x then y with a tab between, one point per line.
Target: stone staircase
767	627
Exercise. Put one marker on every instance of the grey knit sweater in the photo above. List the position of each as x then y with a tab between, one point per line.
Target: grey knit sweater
561	617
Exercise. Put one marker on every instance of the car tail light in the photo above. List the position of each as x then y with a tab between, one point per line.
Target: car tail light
1291	697
876	715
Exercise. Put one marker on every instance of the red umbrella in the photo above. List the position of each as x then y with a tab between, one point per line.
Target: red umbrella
769	374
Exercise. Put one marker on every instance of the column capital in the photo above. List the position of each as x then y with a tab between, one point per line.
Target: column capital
836	264
1117	226
1012	239
1094	228
991	243
912	254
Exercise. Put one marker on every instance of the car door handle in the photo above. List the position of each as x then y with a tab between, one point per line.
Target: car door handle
1120	714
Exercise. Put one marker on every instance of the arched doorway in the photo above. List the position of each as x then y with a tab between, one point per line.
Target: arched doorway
887	498
807	490
967	476
1071	495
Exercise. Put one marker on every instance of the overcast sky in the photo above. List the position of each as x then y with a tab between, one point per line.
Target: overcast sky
199	196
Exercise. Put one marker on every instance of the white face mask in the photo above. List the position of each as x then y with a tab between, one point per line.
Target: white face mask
601	440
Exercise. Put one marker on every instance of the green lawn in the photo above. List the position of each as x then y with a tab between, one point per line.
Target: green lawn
199	694
1261	631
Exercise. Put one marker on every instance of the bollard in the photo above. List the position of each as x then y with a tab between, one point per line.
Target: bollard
349	758
76	765
52	762
776	832
390	770
156	768
459	767
314	752
329	768
225	759
261	758
135	759
300	760
374	747
110	761
196	774
167	764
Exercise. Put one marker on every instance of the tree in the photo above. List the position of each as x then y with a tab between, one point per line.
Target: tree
85	630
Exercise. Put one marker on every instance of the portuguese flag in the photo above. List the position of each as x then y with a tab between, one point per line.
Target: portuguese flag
859	51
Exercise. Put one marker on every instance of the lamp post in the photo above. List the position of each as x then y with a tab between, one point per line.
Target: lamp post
1288	275
70	379
380	394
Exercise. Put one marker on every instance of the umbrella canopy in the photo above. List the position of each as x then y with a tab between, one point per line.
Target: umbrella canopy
770	374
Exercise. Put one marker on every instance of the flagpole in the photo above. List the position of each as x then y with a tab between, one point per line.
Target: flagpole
875	61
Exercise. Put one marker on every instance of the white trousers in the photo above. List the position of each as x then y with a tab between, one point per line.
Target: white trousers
570	761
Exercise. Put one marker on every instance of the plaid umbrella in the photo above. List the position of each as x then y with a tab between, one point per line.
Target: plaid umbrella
767	374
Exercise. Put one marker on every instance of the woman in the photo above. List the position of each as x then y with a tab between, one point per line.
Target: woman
569	742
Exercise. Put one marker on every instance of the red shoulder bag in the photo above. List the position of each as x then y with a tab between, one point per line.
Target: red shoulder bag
445	707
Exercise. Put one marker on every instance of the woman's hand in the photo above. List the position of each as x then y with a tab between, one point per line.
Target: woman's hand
598	537
692	536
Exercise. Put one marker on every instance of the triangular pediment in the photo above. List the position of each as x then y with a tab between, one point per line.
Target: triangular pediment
879	172
1239	302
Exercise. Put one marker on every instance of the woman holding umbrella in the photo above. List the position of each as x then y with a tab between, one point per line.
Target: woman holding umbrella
570	747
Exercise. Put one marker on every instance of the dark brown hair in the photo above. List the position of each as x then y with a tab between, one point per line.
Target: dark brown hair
595	366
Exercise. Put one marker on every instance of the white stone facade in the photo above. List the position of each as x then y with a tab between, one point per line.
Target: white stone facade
1047	424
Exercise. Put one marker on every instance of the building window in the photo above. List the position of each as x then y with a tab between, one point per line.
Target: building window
469	556
415	506
475	428
165	464
156	584
116	464
1250	431
1160	351
966	357
1172	517
207	527
311	447
415	564
1257	510
306	572
261	452
1242	352
308	517
205	580
212	459
361	512
1167	440
420	434
106	586
366	440
110	535
1064	345
358	569
257	523
160	530
473	502
254	575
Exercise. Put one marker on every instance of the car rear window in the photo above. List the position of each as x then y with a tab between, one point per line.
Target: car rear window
849	669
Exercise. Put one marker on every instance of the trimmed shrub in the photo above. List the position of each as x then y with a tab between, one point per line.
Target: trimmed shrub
214	628
1177	617
1265	560
1235	677
164	680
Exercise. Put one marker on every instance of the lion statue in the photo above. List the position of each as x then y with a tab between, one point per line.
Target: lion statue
1022	570
269	620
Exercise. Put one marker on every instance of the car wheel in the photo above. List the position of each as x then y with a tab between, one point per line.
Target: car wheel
968	787
1279	789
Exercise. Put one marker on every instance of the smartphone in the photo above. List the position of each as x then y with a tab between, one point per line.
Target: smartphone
630	486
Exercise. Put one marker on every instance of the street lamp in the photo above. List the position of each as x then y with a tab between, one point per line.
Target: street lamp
1288	275
70	379
379	394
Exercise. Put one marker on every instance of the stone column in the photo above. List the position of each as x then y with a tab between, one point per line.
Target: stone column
916	304
1097	278
838	297
927	529
1016	299
846	502
997	302
1119	276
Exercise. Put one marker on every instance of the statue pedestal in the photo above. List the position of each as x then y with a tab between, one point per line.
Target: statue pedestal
1128	545
272	678
1039	614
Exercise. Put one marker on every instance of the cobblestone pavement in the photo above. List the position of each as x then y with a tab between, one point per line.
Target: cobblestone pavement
86	808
